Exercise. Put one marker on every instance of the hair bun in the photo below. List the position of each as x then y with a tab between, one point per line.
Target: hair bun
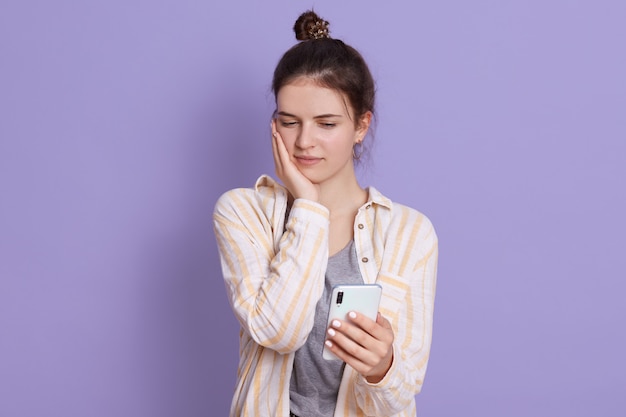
310	26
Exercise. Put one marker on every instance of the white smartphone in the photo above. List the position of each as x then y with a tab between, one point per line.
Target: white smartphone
362	298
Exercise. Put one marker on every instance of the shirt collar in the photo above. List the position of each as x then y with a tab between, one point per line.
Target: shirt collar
375	196
266	181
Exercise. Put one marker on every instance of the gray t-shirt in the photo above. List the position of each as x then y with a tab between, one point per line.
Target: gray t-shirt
315	381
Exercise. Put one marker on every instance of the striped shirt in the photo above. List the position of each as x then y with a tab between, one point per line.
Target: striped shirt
274	271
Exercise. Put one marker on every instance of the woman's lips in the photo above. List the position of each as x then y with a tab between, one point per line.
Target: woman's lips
307	160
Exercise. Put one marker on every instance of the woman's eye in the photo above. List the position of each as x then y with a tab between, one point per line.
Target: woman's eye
328	125
288	124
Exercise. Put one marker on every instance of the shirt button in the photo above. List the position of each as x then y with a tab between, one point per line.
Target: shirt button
364	259
361	225
368	206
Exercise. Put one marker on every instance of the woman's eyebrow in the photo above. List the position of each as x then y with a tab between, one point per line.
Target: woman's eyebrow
327	116
321	116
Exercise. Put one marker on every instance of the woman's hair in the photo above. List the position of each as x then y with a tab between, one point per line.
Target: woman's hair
327	61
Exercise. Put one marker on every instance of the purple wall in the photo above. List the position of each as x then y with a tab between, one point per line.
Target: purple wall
122	122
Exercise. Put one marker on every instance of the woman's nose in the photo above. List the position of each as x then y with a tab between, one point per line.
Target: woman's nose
305	138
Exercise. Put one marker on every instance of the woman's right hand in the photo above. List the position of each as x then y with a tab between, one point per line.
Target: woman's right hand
298	185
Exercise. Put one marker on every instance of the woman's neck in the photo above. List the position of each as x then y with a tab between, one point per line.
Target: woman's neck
342	196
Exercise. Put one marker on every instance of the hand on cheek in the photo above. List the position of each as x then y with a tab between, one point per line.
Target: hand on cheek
364	344
298	185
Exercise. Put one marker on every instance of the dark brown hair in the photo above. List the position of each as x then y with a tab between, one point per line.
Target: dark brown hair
327	61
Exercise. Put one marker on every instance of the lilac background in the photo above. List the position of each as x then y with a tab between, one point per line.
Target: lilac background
121	122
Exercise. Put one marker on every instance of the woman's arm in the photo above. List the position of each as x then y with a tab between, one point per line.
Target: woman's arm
412	328
272	292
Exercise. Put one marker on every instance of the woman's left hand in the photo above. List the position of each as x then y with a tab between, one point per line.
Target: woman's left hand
364	344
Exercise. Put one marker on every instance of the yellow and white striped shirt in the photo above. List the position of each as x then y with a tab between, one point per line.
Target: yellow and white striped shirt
274	275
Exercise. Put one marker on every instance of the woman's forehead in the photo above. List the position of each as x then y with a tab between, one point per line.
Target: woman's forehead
309	97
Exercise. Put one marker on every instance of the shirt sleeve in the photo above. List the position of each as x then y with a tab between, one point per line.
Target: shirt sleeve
273	289
412	326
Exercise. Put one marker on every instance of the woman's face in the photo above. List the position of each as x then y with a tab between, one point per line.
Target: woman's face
318	129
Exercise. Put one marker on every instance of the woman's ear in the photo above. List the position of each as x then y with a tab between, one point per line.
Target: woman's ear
363	126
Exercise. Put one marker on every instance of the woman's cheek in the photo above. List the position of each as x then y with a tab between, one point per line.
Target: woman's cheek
288	140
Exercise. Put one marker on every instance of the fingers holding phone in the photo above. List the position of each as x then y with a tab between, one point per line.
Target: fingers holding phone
357	333
364	344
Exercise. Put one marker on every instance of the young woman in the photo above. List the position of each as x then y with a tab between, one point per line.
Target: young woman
283	248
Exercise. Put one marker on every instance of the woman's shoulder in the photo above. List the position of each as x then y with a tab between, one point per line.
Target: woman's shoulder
403	217
400	210
264	196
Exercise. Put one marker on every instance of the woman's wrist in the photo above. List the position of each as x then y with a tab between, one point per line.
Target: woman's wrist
376	378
